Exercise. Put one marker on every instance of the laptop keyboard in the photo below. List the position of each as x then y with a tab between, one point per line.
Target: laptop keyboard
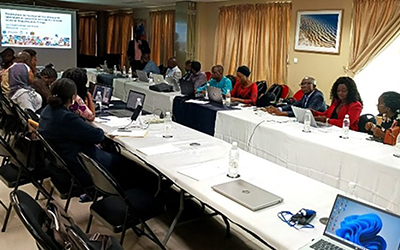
325	245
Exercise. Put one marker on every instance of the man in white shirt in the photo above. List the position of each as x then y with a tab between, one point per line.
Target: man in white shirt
173	70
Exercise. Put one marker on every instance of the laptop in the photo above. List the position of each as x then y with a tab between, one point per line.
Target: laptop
356	225
300	113
248	195
187	88
171	81
214	94
142	76
130	105
106	93
157	78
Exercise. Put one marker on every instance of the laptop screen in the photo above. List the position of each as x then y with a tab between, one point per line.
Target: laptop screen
106	93
132	99
360	225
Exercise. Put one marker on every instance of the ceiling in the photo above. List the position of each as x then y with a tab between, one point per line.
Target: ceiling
84	5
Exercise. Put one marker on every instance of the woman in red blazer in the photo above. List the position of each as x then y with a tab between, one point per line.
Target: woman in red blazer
345	100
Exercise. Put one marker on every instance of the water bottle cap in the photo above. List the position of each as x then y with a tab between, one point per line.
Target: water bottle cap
346	116
167	113
234	144
352	184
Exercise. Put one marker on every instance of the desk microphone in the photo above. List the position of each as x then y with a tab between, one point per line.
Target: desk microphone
134	116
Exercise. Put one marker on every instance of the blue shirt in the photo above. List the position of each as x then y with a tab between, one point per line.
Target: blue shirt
224	85
151	67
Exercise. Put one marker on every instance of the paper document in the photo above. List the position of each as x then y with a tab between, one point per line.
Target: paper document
139	133
197	101
113	121
159	149
203	171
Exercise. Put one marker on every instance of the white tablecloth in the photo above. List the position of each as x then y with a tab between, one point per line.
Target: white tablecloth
297	190
153	100
320	155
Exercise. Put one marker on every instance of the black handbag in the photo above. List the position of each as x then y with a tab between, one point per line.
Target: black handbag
29	151
162	87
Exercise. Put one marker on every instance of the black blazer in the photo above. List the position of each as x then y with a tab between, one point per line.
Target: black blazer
315	102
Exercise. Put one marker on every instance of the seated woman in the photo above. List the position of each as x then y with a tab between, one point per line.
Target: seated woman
43	81
345	100
244	90
83	105
389	109
69	134
20	77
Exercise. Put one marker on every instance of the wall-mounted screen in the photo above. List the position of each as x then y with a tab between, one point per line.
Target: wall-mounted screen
23	28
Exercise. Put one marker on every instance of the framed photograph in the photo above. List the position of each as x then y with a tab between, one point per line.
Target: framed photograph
318	31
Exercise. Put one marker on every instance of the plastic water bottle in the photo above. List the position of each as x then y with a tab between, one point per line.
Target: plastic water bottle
233	169
307	122
123	72
351	190
397	147
346	127
206	95
115	69
130	73
168	125
228	98
99	101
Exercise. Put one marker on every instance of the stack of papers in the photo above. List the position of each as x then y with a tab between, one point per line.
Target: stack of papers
203	171
113	121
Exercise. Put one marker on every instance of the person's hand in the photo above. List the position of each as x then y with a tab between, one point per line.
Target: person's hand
234	99
272	110
368	126
378	133
320	118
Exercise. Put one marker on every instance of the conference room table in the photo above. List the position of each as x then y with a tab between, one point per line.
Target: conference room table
195	162
153	101
321	154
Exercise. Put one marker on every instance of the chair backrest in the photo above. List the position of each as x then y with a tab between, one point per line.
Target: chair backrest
33	217
261	87
285	91
298	95
52	155
208	75
101	178
363	120
7	151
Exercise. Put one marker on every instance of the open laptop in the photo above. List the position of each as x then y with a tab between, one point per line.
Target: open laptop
300	113
171	81
157	78
130	104
142	76
248	195
356	225
106	93
187	88
214	94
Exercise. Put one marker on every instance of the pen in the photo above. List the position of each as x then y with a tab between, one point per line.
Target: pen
103	118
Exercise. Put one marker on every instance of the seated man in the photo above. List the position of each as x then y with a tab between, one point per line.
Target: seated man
173	70
312	99
198	78
218	80
149	65
188	69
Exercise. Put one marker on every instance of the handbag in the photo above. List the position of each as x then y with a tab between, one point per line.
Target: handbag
391	134
29	151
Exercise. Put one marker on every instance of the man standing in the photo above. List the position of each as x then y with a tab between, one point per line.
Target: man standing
218	80
136	48
173	70
312	99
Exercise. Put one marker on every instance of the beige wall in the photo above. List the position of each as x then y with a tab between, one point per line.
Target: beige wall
324	67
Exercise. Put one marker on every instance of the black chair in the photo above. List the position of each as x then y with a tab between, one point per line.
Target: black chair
121	209
13	173
363	120
33	216
56	161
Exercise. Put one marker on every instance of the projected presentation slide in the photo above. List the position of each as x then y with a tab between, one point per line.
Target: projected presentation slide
20	28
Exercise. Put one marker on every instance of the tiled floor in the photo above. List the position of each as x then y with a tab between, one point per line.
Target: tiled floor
207	233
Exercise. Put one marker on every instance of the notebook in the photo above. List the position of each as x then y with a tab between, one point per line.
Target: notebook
355	225
142	76
106	93
187	88
214	94
248	195
130	104
300	113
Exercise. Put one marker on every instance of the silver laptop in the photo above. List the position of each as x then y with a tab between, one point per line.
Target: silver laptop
356	225
171	81
158	78
299	113
248	195
142	76
130	104
214	94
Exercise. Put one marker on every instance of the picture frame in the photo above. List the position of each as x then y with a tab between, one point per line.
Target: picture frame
319	31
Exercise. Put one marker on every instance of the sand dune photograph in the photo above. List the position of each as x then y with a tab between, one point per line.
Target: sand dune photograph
318	31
